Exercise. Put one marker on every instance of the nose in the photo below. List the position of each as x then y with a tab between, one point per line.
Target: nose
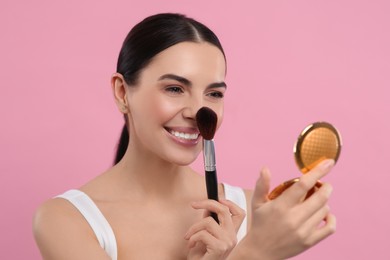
191	107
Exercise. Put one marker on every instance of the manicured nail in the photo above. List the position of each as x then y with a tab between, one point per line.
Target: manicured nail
327	164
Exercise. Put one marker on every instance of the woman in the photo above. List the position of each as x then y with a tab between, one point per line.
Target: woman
151	204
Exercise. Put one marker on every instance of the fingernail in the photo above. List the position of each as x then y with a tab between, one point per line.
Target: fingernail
330	190
327	164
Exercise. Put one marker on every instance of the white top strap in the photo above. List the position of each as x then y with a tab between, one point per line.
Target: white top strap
95	218
237	195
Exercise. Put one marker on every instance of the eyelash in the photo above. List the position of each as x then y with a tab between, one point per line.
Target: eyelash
216	94
178	90
174	89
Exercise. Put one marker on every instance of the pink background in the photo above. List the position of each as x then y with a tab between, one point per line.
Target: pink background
290	63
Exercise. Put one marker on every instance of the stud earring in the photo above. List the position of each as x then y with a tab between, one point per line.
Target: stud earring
124	108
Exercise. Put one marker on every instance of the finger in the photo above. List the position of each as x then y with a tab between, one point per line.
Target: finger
314	222
323	232
318	200
215	249
260	194
204	237
237	213
207	224
223	212
298	190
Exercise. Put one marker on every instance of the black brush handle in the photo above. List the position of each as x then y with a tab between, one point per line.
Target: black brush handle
212	189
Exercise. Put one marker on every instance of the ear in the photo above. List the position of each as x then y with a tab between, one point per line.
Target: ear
119	86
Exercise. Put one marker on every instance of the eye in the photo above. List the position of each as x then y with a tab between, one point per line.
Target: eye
216	94
174	89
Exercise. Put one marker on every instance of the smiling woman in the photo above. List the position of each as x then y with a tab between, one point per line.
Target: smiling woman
151	204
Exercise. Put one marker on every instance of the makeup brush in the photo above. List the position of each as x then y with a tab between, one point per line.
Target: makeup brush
207	124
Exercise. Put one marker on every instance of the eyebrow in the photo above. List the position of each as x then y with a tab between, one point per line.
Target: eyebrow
189	83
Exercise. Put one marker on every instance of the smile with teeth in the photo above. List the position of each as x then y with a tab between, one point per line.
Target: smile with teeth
185	136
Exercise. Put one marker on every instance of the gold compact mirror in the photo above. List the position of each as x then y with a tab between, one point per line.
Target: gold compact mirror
317	142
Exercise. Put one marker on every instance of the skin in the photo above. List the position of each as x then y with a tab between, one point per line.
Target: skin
154	200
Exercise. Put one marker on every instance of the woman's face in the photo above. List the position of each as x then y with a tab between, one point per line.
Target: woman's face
170	90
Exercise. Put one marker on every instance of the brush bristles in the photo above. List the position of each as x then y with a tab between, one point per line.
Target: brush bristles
206	119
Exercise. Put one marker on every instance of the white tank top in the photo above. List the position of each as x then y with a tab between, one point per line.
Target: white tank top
103	230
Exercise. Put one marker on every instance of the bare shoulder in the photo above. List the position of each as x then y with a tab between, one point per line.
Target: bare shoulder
61	232
53	212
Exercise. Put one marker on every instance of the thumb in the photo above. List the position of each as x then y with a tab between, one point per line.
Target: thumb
260	194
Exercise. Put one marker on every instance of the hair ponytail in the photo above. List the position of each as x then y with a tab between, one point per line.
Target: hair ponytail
122	145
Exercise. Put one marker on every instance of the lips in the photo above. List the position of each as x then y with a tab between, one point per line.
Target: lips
184	135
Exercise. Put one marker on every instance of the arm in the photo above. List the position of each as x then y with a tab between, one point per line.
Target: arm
61	232
287	226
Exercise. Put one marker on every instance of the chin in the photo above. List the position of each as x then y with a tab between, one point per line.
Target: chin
182	159
180	156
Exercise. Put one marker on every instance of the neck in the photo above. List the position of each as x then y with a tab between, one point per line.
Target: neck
150	176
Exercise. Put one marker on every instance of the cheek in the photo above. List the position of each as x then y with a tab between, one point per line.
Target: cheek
161	108
220	116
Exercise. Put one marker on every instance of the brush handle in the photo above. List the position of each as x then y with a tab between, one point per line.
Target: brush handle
212	189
